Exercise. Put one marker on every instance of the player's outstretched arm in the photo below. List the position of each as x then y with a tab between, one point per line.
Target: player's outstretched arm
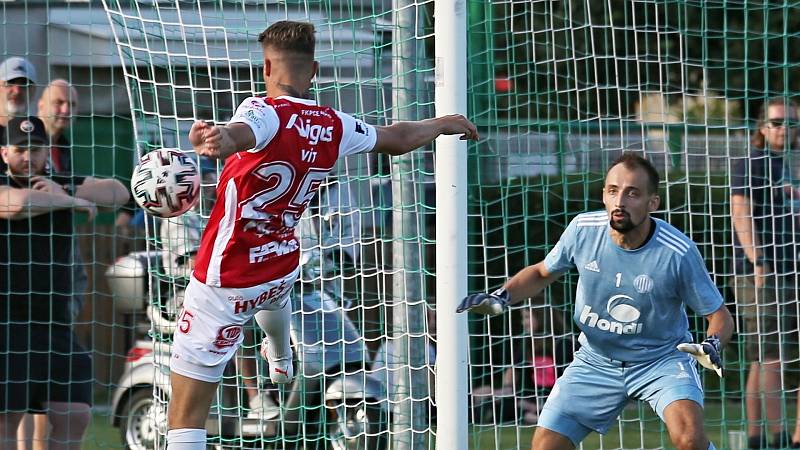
708	352
527	283
402	137
219	142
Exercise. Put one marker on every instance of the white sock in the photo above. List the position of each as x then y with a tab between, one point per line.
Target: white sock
186	439
276	326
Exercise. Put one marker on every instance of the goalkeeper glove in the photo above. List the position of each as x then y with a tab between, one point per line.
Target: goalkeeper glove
483	303
706	353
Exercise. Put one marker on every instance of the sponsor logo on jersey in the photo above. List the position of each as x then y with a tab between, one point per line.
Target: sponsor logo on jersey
592	266
270	296
272	249
624	316
314	133
643	284
314	113
254	119
360	128
227	336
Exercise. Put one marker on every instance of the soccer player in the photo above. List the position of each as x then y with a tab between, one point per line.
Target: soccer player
636	274
278	149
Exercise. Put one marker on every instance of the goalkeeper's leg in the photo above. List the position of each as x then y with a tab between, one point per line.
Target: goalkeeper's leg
545	439
684	419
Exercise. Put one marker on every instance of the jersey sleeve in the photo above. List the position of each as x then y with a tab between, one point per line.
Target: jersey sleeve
260	117
562	257
696	287
357	135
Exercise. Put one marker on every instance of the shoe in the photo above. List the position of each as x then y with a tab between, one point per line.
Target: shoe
280	370
781	440
756	442
262	406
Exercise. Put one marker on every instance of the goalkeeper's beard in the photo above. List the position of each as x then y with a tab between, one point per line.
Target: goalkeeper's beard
624	225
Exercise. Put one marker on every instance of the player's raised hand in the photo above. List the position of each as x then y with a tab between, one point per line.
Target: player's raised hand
707	353
458	124
206	139
483	303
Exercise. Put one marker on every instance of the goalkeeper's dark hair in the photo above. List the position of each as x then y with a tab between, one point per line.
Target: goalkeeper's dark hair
631	160
289	36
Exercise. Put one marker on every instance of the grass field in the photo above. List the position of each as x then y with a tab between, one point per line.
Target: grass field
633	433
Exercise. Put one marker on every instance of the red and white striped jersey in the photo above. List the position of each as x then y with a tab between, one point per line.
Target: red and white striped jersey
262	192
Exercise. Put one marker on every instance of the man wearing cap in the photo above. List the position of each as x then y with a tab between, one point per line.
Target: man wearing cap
43	369
17	84
56	107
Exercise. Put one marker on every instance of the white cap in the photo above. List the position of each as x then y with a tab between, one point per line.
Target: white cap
17	67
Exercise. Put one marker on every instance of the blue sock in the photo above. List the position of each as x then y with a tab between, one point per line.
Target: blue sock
711	446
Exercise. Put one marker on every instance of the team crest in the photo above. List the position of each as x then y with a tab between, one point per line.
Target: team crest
643	284
26	126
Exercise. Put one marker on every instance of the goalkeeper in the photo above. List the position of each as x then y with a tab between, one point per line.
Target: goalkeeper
636	275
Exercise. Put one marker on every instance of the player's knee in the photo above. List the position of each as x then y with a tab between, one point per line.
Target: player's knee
690	441
544	439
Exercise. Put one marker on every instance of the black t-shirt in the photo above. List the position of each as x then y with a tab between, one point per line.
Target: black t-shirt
35	264
762	178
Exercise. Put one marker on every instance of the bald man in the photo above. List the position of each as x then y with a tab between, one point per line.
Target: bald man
58	103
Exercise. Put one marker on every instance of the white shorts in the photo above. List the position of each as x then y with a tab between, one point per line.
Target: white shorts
209	328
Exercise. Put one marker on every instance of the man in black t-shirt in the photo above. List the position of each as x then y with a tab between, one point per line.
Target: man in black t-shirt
763	225
42	366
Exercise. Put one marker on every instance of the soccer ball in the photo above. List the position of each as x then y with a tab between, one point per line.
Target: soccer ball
166	183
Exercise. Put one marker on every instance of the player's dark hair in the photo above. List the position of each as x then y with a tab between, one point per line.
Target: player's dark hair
757	139
633	161
289	36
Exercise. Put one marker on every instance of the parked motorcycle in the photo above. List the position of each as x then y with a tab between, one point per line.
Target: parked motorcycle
334	403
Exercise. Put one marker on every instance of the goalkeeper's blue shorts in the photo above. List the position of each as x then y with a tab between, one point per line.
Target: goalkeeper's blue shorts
592	392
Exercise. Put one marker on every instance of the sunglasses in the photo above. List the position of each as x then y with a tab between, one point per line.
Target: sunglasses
782	122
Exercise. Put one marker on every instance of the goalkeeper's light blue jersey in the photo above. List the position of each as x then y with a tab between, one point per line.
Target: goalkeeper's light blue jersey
630	303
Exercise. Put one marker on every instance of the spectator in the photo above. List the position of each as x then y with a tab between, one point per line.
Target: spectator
17	84
385	353
538	355
43	369
762	223
57	104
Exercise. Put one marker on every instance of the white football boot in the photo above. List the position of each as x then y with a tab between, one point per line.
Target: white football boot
280	370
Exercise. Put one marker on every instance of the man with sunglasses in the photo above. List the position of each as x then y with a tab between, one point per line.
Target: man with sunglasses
761	210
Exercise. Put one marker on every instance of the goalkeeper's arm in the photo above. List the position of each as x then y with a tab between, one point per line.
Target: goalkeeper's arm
527	283
707	353
720	324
